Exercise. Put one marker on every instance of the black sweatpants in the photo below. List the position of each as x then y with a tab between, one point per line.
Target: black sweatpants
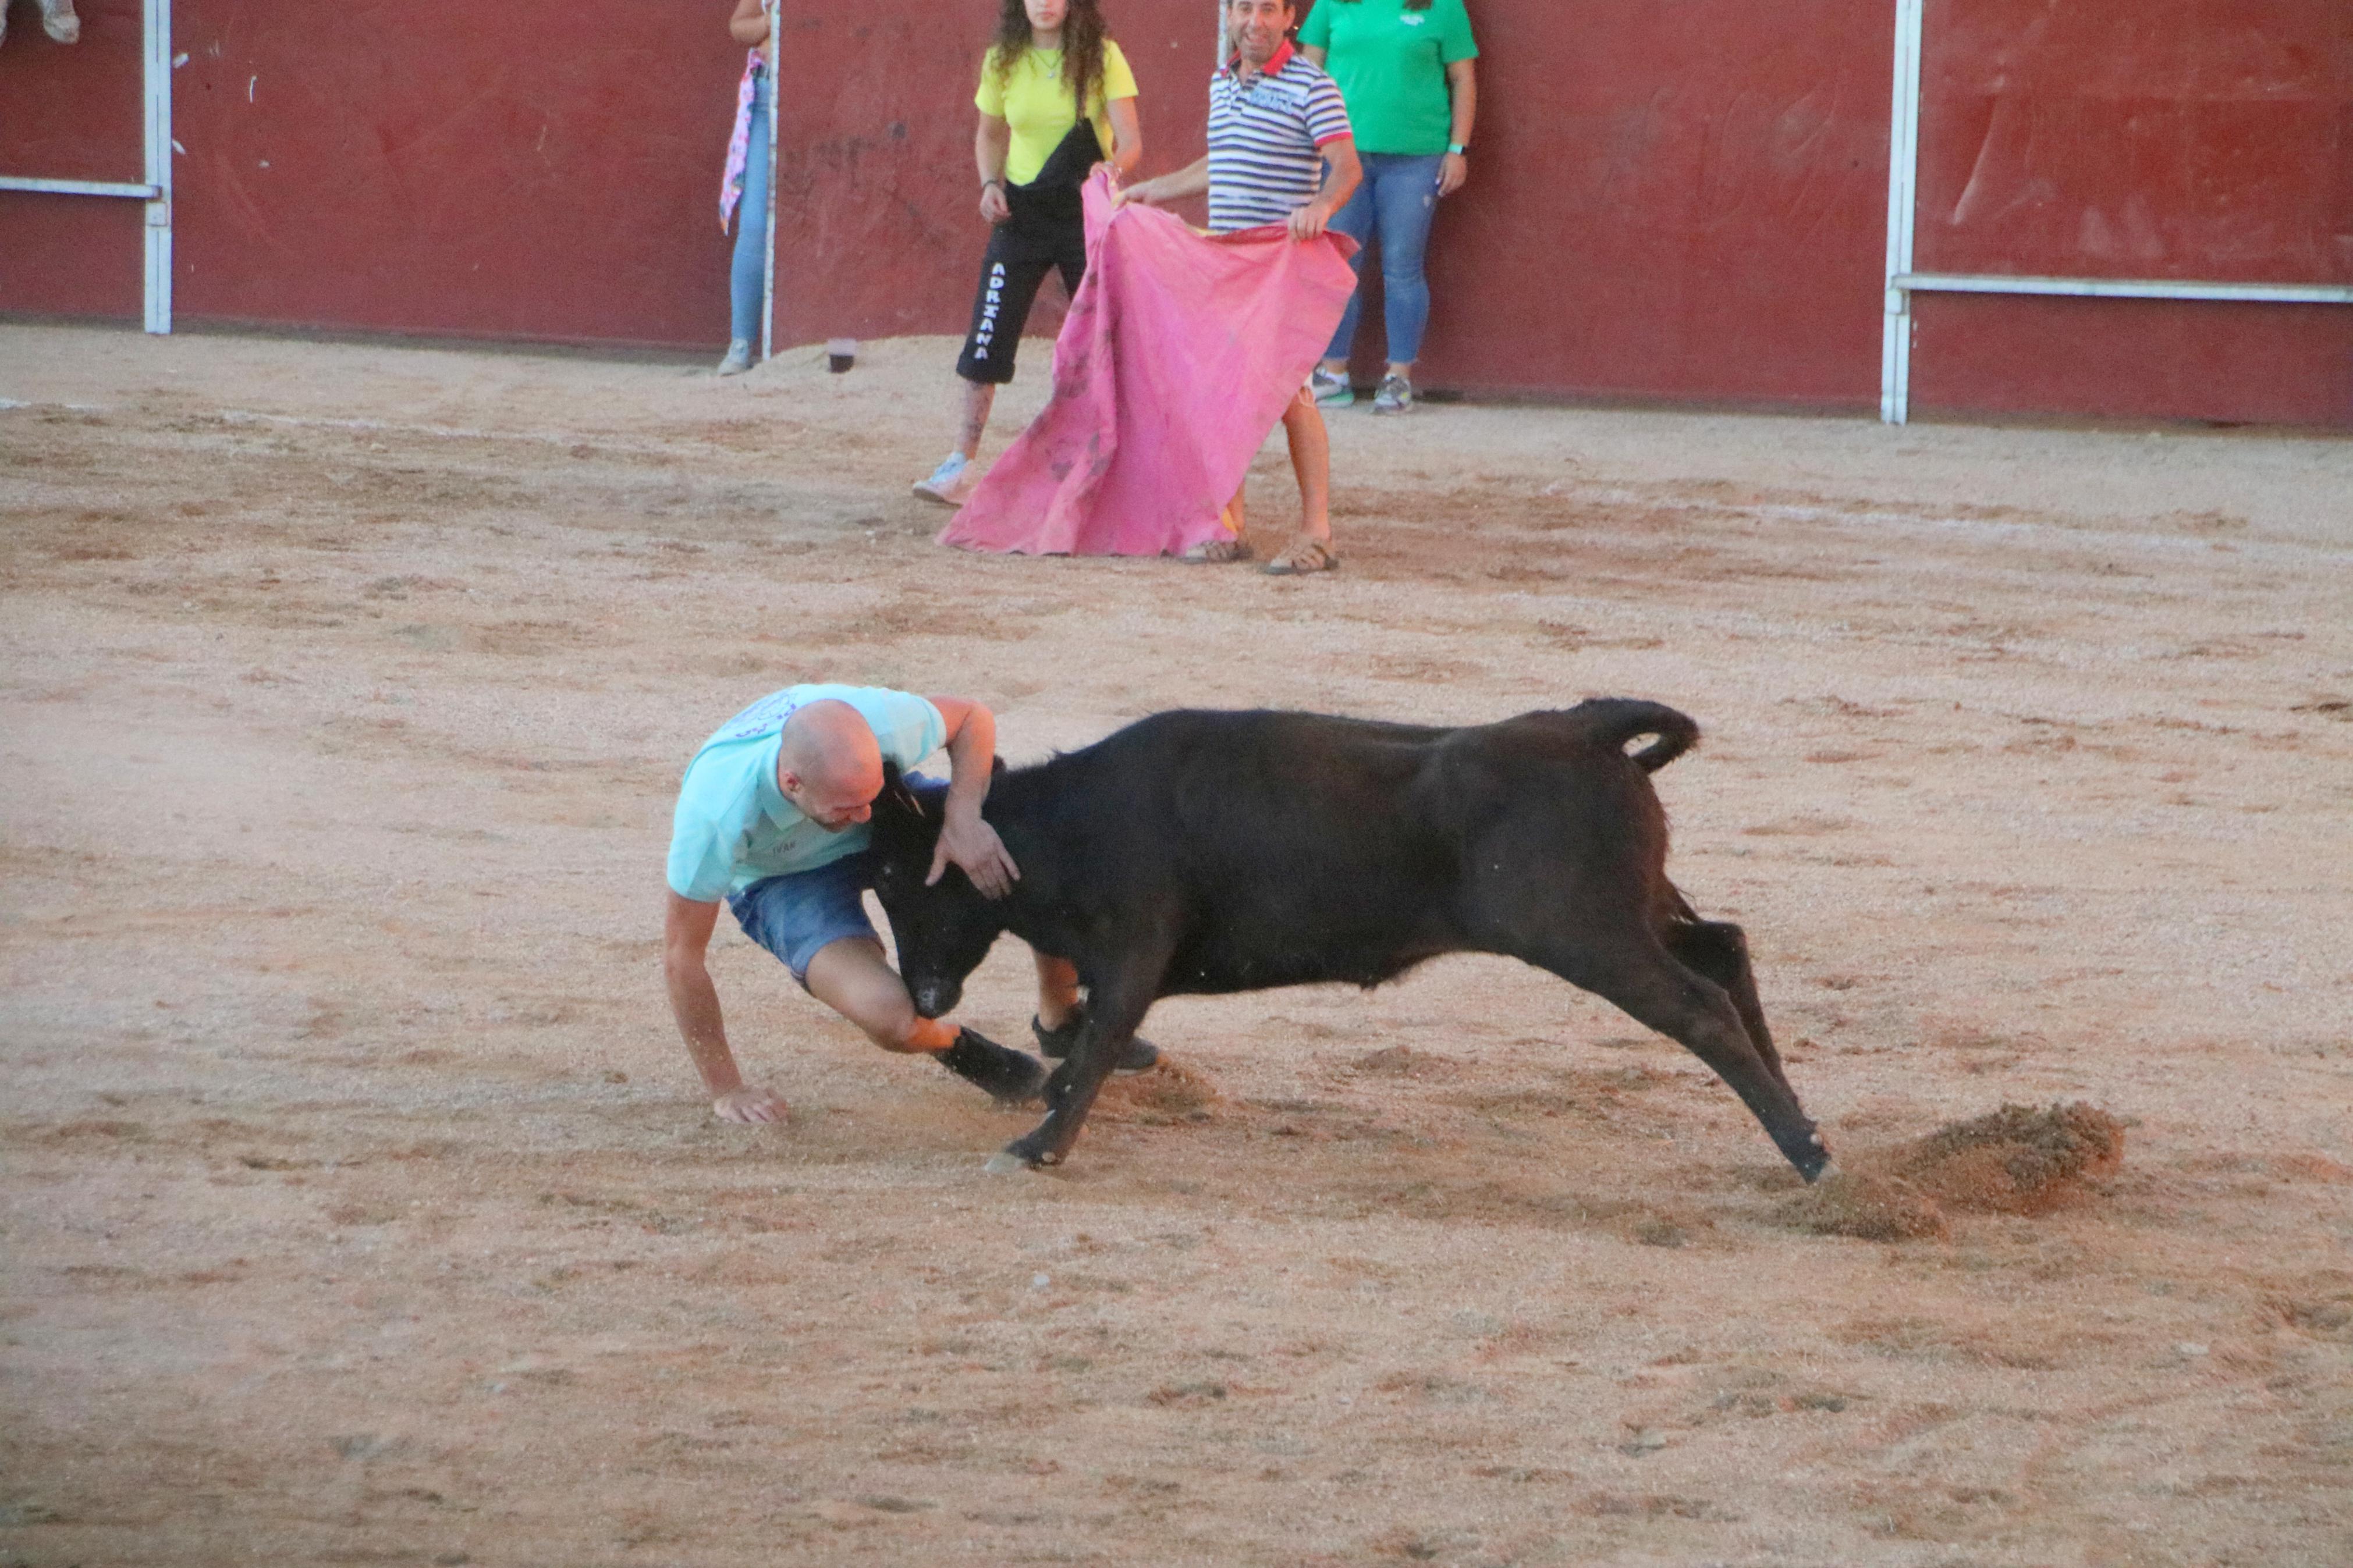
1048	232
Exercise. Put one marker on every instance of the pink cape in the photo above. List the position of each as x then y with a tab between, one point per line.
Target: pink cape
1176	360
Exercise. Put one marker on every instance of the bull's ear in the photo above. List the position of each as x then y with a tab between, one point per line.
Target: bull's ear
896	797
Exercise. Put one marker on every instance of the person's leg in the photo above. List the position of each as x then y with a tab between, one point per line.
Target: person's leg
1015	264
1062	1015
1070	247
972	421
851	976
748	278
816	922
1011	268
1058	990
1311	462
1356	219
1407	204
1025	258
1231	546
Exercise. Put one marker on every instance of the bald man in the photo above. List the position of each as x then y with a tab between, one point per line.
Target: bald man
771	818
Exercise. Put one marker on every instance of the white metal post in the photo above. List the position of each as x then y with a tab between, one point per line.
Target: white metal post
1903	177
776	107
158	94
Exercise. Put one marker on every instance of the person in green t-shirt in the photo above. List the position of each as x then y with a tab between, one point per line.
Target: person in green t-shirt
1405	71
1056	98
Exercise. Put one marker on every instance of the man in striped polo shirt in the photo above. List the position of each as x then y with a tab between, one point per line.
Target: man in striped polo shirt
1279	151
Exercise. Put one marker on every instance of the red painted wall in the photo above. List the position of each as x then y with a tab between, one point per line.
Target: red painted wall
72	113
1678	202
2182	139
1671	201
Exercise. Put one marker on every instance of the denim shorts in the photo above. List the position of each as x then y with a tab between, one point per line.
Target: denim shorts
797	915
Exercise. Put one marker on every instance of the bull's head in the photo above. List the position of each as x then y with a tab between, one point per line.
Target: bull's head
943	931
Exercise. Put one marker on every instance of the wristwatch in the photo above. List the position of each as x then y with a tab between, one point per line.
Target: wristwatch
1460	149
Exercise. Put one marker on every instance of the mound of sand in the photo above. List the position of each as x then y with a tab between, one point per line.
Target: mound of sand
1403	1061
1860	1203
2017	1160
1166	1095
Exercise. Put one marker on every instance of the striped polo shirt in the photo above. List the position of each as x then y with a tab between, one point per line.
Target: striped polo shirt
1266	140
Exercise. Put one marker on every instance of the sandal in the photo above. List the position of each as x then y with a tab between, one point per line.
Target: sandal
1216	552
1307	554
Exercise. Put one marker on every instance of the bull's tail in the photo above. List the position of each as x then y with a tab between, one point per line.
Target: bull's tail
1614	720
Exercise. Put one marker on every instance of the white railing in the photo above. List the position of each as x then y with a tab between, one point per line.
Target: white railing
155	190
1903	194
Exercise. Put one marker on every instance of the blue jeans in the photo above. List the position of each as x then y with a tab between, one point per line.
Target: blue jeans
798	915
747	280
1399	197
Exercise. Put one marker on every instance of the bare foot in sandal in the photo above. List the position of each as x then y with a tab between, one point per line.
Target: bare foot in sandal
1216	552
1305	554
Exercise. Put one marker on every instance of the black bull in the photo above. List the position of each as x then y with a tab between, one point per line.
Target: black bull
1200	853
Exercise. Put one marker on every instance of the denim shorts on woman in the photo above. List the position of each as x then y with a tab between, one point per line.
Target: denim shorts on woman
797	915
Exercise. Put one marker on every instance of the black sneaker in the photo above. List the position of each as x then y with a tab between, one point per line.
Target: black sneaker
1141	1055
1008	1076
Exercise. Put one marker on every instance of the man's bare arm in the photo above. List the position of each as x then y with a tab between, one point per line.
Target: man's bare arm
1159	192
695	1003
1343	171
965	838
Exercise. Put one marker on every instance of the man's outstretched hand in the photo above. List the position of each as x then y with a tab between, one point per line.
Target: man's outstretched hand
749	1104
973	845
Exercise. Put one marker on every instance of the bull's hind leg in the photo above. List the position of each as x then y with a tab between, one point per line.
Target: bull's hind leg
1657	991
1718	951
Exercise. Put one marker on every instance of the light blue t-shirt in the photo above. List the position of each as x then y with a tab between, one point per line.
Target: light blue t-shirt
734	827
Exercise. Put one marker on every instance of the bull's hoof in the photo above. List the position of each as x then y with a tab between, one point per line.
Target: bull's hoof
1005	1162
1830	1168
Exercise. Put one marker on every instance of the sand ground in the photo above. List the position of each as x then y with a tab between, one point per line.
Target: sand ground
357	1204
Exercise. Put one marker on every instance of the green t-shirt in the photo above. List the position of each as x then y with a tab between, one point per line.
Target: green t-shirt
1391	64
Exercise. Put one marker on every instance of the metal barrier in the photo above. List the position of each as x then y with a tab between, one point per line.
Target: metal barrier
1903	193
156	189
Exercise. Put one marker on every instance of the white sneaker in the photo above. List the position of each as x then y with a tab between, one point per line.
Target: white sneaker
1396	396
739	358
950	483
1330	391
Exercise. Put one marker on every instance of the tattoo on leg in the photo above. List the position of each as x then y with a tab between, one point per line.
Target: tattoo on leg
979	396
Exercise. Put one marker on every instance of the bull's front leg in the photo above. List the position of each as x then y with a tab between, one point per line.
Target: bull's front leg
1115	1010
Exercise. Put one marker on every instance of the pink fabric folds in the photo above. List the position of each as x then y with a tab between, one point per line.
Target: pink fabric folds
739	140
1176	360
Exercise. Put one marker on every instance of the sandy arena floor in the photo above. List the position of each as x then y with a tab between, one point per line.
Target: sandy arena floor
357	1204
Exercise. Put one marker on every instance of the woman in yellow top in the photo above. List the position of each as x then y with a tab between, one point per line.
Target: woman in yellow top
1053	91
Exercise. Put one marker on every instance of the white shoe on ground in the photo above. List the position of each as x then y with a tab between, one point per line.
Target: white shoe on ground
1396	396
1330	391
739	358
951	483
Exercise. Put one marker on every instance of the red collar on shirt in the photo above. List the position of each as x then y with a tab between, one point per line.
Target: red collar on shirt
1281	58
